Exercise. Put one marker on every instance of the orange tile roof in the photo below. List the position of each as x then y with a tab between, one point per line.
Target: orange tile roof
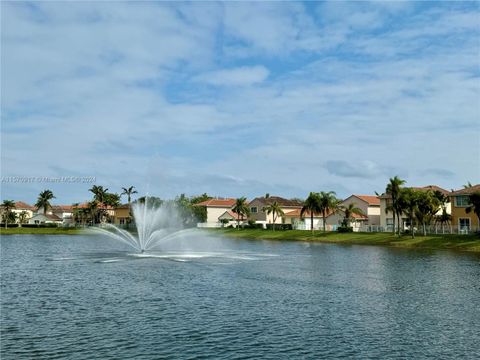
234	215
467	191
23	205
370	199
218	202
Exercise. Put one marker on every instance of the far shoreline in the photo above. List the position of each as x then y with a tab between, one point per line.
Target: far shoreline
464	243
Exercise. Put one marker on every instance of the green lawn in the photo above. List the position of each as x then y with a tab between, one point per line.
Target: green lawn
456	242
41	231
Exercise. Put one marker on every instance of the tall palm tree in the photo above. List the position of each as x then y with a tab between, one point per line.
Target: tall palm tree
468	185
312	205
241	208
407	202
393	189
43	200
349	211
99	193
129	192
7	205
328	202
475	204
274	209
92	211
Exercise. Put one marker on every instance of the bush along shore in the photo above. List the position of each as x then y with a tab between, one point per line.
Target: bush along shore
469	243
42	230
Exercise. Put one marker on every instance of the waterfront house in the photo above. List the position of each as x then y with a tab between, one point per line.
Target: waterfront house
260	216
121	215
216	208
461	220
386	217
41	219
370	206
333	219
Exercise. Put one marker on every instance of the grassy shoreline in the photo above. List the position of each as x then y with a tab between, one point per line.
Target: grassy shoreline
470	243
41	231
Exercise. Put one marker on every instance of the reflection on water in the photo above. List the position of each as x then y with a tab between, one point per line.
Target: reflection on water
74	297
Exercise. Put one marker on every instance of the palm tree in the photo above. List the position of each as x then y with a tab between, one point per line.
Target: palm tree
7	205
241	208
444	218
328	202
99	193
22	218
475	204
468	185
349	211
274	209
129	192
311	204
393	189
43	200
407	202
92	211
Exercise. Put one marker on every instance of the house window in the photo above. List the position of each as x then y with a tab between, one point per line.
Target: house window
389	221
464	223
122	221
253	210
462	200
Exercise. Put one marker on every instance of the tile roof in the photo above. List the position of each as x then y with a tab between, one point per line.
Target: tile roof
20	205
218	203
49	216
467	191
370	199
281	201
232	214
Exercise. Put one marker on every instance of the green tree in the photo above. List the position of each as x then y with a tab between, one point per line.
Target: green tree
427	206
8	206
99	193
241	208
443	219
22	218
312	205
393	189
407	201
129	192
200	212
274	209
328	202
348	212
475	204
43	200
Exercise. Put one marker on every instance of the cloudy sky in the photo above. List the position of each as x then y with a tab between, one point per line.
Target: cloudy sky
239	99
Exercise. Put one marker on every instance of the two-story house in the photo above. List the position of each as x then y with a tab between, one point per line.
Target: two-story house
215	209
260	215
463	221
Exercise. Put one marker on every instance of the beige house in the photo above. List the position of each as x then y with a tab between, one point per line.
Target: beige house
369	204
461	220
21	207
386	217
332	220
215	209
260	216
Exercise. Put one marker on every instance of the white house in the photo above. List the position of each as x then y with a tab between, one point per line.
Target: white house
369	204
39	219
215	209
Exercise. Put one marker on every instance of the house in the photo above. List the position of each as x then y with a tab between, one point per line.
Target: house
215	208
369	204
21	207
386	217
463	221
122	215
40	219
333	219
230	218
260	216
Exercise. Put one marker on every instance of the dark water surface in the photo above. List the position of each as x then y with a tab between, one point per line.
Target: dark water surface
83	297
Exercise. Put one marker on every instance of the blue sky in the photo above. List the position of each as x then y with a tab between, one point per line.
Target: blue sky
239	99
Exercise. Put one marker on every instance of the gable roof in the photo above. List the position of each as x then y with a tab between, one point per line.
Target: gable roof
20	205
48	216
231	214
467	191
281	201
369	199
218	202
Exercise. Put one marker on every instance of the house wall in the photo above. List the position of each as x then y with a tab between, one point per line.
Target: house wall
121	214
372	211
19	211
213	213
459	212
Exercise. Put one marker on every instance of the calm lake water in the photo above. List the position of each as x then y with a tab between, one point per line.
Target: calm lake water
83	297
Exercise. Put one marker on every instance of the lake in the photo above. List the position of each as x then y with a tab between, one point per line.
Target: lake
80	297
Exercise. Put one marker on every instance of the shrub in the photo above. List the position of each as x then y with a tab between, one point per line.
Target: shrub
280	227
345	229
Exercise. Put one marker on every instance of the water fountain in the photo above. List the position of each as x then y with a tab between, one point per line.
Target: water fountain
155	226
